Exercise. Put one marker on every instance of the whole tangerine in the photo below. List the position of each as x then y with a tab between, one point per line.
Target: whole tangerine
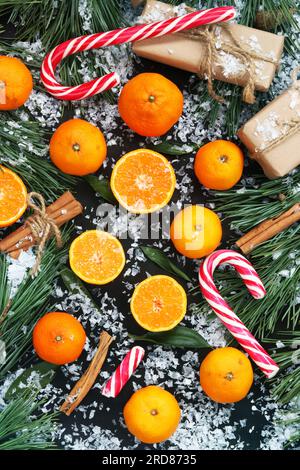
78	148
58	338
226	375
196	231
152	414
15	83
219	164
150	104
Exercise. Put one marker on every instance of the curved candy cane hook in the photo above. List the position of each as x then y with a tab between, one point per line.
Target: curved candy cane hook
226	314
119	36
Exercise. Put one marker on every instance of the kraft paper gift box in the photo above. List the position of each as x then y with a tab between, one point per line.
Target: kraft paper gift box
181	51
272	136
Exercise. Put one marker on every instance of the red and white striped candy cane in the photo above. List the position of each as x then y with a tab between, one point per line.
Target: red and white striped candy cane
225	313
124	371
119	36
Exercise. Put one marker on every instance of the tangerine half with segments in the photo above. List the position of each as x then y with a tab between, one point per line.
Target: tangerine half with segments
13	197
158	303
96	257
143	181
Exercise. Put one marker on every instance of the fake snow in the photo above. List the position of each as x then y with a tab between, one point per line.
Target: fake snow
204	424
18	269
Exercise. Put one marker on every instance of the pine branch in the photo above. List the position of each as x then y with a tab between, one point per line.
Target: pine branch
24	427
291	418
55	22
256	199
28	304
23	148
286	386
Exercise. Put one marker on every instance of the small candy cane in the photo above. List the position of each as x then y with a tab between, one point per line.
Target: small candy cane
119	36
224	312
123	373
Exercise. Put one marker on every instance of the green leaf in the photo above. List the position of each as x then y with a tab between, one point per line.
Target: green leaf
159	258
43	374
173	148
102	187
179	337
76	286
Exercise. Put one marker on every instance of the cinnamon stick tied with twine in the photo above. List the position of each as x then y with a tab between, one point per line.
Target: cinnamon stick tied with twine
44	222
268	229
85	383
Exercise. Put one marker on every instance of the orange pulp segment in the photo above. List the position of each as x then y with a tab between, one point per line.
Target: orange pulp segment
96	257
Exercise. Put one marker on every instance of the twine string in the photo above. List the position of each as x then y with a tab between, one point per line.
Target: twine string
208	36
292	126
42	227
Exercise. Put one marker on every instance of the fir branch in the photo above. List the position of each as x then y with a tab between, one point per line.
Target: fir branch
55	22
18	50
286	386
24	427
23	148
28	304
253	200
291	418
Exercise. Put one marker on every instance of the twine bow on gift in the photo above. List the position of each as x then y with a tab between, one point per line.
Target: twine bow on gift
290	127
208	36
42	227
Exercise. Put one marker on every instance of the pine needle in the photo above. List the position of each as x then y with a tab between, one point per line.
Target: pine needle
29	303
55	22
256	199
291	418
286	386
24	427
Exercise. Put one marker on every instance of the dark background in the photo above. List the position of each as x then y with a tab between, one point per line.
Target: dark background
110	419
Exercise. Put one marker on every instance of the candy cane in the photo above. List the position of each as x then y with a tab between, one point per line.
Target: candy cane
124	371
119	36
224	312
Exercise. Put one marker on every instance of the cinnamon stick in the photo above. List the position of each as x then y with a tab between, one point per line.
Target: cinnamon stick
71	211
86	382
65	208
23	232
268	229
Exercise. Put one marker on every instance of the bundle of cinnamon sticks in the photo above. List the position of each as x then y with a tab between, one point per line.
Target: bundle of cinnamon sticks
64	209
268	229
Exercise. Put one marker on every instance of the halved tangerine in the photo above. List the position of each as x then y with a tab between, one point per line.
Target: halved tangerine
143	181
13	197
96	257
158	303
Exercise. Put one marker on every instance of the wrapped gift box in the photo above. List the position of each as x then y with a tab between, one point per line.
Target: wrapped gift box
187	53
272	136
